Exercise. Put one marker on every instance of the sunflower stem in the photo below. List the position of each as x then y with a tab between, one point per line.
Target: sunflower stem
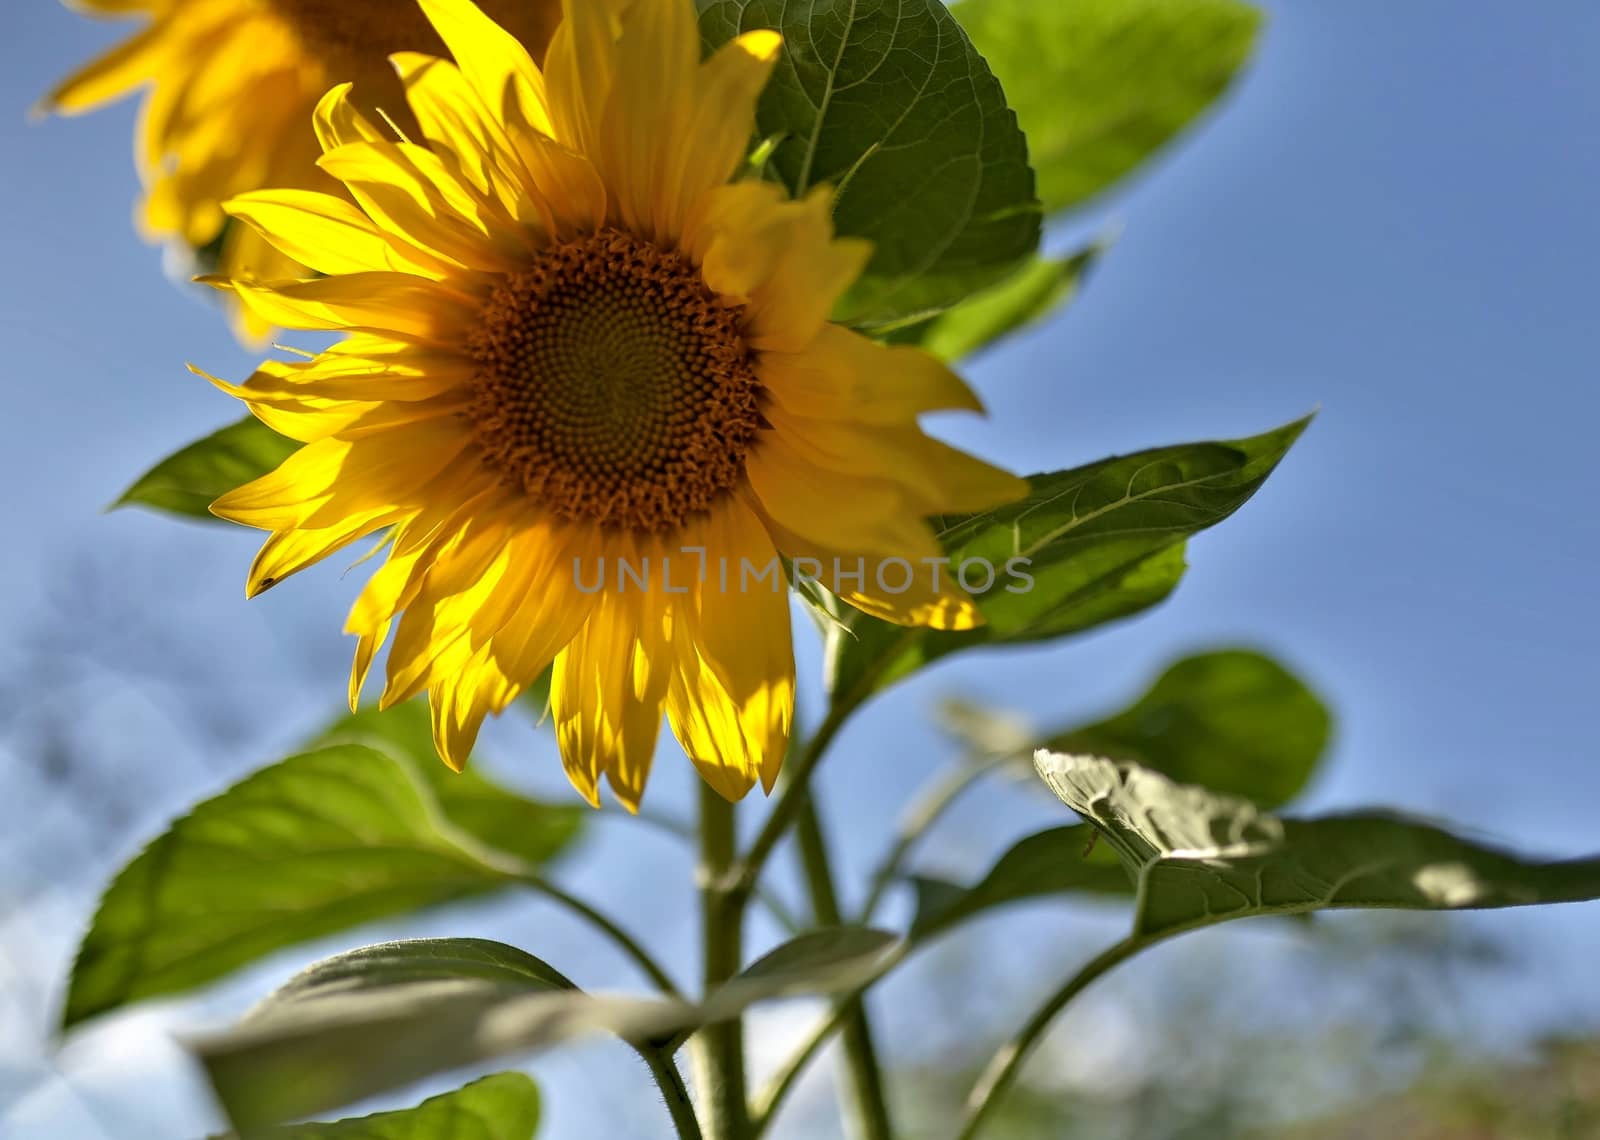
720	1047
869	1105
624	941
673	1091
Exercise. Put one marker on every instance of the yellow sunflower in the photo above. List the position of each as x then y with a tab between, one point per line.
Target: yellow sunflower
233	84
590	391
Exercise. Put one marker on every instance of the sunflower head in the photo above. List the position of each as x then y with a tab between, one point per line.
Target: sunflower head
231	89
589	391
614	385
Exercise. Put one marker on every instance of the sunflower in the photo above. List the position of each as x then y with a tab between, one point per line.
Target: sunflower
233	86
589	392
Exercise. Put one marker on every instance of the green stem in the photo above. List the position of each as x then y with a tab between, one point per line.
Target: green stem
772	1097
721	1046
870	1105
610	929
1006	1064
673	1091
683	829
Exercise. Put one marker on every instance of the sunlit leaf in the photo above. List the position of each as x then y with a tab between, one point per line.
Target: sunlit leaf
504	1106
1099	542
1100	85
1235	721
888	101
188	481
820	961
1199	858
533	830
1061	861
312	845
1041	286
383	1016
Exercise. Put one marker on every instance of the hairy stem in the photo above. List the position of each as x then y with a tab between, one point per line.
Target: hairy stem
623	940
673	1091
721	1046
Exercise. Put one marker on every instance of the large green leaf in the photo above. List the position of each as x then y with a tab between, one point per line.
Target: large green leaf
1033	292
533	830
312	845
819	961
1235	721
1099	85
384	1016
373	1019
1199	858
1061	861
888	101
1232	720
504	1106
1102	542
188	481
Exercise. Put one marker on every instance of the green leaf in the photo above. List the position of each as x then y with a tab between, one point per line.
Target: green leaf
360	1023
820	961
1063	860
532	830
1235	721
888	101
1101	542
373	1019
1100	85
187	482
1041	286
312	845
1199	858
504	1106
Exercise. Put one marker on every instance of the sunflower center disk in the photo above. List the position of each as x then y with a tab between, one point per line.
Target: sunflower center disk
614	386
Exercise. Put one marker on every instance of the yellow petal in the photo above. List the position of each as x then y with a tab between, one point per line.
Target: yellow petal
842	375
934	475
607	691
909	589
578	69
326	233
493	61
458	704
732	696
409	191
338	123
458	125
656	62
291	551
737	233
549	609
812	273
117	73
833	509
396	304
347	477
717	130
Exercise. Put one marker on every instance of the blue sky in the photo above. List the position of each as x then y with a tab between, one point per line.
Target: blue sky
1392	219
